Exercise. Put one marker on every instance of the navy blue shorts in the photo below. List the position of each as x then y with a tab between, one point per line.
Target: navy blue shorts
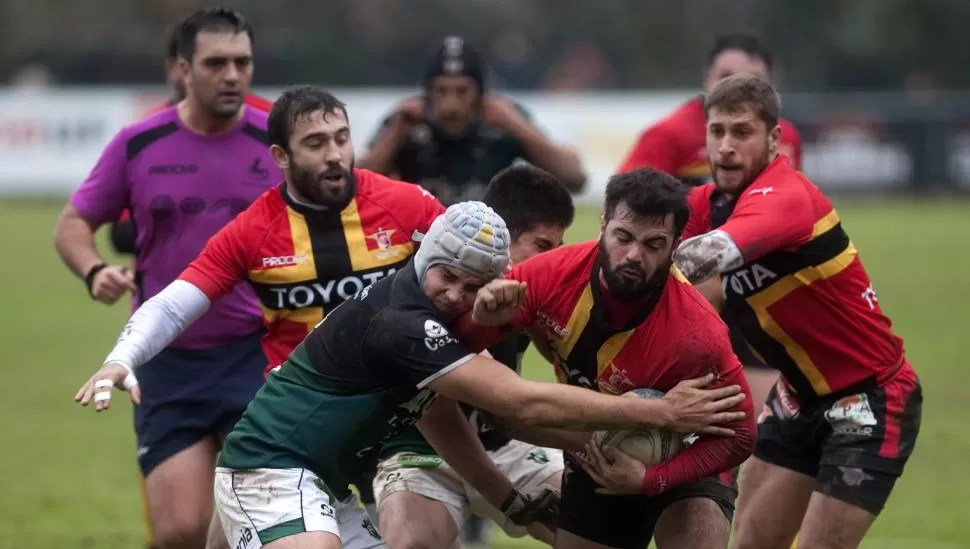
190	394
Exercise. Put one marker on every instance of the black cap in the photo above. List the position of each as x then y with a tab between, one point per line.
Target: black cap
454	57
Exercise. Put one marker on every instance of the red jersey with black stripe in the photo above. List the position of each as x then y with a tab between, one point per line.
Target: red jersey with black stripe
677	145
604	344
802	298
303	262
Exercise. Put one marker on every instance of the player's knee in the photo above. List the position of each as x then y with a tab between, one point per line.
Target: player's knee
181	531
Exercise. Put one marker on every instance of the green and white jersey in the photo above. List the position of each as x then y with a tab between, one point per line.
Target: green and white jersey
357	379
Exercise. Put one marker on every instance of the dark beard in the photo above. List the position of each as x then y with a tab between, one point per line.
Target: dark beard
628	290
309	186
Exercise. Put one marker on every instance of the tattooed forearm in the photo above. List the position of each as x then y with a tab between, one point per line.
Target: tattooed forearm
704	256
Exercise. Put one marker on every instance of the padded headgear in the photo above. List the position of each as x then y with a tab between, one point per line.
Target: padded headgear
469	236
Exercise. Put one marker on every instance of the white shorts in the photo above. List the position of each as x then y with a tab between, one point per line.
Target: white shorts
262	505
527	466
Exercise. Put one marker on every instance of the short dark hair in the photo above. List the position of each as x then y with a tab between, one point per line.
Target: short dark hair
648	193
295	102
212	20
526	197
748	43
172	42
740	91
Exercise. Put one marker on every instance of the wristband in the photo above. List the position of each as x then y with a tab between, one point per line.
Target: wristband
653	483
89	278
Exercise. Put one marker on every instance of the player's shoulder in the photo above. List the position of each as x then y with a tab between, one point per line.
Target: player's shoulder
265	213
400	199
139	135
780	178
693	314
571	263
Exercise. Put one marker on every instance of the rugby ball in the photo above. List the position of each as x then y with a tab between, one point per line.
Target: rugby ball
649	446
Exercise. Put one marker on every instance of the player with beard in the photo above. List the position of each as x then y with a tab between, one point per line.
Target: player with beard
841	423
304	246
616	315
455	137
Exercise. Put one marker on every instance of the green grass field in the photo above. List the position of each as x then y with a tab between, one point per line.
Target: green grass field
69	479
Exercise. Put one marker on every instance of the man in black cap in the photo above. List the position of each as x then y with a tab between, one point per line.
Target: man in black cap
455	137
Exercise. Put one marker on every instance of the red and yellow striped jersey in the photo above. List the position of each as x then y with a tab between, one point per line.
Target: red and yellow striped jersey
601	343
303	261
802	298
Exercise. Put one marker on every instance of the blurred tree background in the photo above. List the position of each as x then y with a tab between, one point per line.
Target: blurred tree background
830	45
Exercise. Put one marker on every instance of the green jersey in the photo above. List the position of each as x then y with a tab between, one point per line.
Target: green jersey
358	378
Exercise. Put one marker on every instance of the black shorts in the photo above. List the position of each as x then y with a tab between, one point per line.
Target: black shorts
626	522
189	394
855	443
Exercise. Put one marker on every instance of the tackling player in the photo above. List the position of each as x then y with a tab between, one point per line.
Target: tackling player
455	137
616	315
422	499
375	366
843	419
676	146
184	172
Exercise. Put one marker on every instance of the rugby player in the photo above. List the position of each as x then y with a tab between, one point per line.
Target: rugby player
843	419
676	146
326	232
455	137
374	366
616	315
422	500
184	172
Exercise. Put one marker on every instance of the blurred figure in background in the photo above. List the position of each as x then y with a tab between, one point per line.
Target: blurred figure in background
455	137
184	172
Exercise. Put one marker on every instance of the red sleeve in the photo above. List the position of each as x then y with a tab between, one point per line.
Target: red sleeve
791	144
225	260
655	148
431	208
710	455
700	211
770	217
536	272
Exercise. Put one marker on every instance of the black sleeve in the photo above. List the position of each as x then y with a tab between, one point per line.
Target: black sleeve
416	345
123	237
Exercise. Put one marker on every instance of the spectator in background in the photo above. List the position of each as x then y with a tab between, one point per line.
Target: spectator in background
455	137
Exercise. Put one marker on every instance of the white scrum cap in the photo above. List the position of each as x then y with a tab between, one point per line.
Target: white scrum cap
469	236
